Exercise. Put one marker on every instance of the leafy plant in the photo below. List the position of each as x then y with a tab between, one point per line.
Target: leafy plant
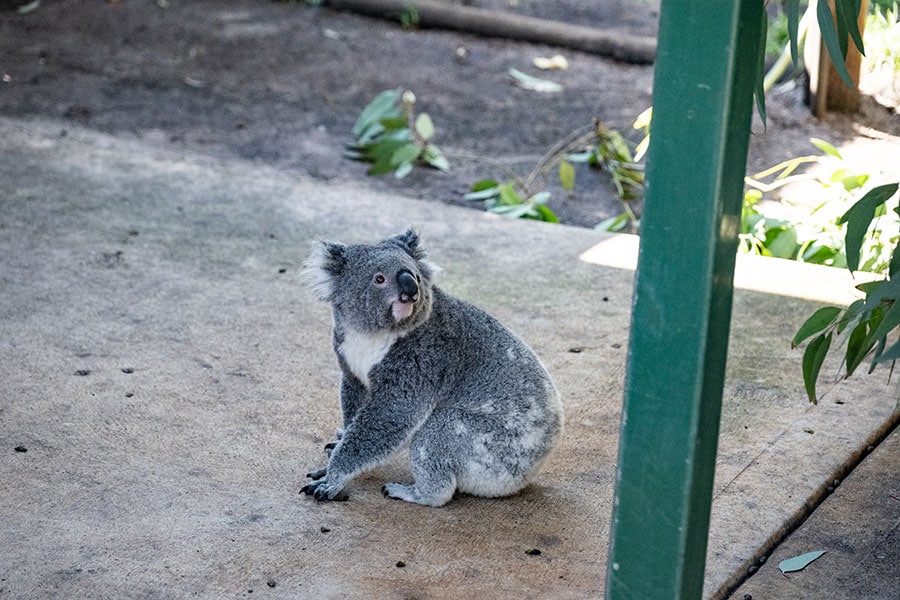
818	235
505	199
391	137
867	323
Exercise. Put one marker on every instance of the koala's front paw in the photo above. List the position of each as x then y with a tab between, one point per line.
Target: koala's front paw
331	445
323	491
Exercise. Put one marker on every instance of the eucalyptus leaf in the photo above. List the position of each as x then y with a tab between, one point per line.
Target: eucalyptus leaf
508	195
424	126
534	84
792	9
434	157
857	349
826	148
485	184
813	357
482	194
546	214
832	42
816	323
567	175
405	154
798	563
384	105
617	223
759	93
27	8
403	170
540	198
892	354
858	218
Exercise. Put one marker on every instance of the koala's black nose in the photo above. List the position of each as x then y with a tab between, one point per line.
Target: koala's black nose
409	287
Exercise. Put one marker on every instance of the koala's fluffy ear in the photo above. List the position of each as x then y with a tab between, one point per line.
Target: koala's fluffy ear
411	242
326	262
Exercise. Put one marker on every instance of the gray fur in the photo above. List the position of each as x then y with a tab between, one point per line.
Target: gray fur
475	405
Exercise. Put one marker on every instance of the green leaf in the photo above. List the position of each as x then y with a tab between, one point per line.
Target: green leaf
859	217
760	93
895	261
567	175
482	194
546	214
27	8
403	170
617	223
889	321
384	105
785	244
508	195
393	123
405	154
819	320
826	147
836	49
857	347
580	157
854	182
813	358
535	84
485	184
847	13
424	126
792	8
434	157
892	353
798	563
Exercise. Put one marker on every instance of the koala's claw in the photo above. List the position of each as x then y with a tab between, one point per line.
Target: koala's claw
330	446
317	474
323	492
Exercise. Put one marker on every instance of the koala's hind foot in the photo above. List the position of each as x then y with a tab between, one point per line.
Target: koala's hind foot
436	492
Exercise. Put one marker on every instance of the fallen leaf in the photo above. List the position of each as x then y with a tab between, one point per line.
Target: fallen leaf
557	61
798	563
535	84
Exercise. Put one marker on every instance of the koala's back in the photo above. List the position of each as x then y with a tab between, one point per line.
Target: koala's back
496	409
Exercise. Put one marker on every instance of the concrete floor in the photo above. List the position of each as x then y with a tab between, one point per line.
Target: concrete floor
167	382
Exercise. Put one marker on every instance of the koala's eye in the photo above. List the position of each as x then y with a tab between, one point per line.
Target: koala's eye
379	279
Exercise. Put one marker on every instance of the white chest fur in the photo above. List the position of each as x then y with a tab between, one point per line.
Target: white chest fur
362	351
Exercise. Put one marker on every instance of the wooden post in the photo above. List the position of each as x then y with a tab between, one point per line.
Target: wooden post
827	91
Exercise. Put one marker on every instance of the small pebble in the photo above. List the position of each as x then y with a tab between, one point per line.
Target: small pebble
271	583
83	372
400	564
127	370
747	597
533	552
21	449
325	530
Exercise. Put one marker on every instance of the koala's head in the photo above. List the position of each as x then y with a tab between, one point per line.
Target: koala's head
386	286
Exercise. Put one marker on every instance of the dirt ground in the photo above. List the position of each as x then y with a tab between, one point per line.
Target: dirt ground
281	83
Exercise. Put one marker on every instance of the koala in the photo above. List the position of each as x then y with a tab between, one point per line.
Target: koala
476	407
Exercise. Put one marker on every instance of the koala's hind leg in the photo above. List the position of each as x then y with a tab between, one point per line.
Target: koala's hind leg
432	468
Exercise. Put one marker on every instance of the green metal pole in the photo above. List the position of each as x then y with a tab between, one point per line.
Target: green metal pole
702	107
